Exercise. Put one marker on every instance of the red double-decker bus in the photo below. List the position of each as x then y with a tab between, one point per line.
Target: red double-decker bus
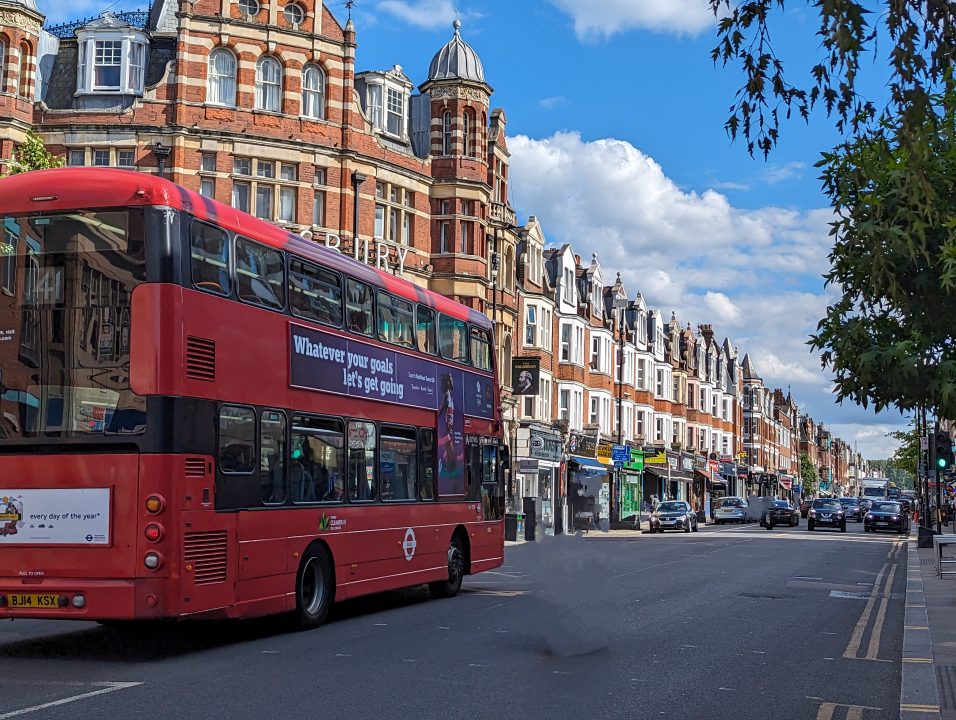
202	415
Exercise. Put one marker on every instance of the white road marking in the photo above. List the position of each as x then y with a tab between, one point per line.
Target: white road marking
849	595
108	687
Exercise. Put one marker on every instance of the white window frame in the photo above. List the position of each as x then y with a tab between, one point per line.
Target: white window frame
268	87
131	75
313	91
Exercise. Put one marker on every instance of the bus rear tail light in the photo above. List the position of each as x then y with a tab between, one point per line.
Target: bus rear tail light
155	504
153	532
153	561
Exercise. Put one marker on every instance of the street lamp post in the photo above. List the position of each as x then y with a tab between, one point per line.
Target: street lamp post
162	153
357	180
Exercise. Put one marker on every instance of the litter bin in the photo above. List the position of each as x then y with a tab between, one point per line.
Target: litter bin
514	526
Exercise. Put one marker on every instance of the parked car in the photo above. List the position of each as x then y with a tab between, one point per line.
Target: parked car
780	512
673	515
805	507
826	511
852	509
907	504
887	515
730	509
866	504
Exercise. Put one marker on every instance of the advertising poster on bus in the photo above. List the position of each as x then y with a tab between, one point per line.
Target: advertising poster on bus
55	516
451	436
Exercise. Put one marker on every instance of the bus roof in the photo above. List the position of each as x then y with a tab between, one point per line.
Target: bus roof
76	188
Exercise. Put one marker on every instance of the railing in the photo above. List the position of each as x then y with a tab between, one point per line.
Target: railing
134	18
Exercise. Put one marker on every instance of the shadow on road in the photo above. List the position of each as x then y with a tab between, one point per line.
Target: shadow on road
147	641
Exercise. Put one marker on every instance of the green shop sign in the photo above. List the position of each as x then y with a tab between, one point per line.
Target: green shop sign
636	463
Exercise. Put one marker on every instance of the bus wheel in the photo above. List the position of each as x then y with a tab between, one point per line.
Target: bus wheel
313	589
456	572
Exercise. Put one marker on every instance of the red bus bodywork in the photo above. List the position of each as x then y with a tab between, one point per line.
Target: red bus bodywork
220	563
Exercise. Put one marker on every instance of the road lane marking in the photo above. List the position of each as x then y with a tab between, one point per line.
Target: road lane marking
108	688
913	707
853	712
874	646
826	711
856	638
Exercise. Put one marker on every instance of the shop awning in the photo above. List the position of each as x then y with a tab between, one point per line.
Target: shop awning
662	472
589	465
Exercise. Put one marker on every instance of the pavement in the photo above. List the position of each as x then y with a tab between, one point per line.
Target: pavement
930	639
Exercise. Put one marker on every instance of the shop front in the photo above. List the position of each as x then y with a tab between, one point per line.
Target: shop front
539	477
589	490
630	489
671	479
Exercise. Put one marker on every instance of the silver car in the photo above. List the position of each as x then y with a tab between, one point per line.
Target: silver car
673	515
730	509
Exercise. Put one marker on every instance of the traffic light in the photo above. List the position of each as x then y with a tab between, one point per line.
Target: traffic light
943	450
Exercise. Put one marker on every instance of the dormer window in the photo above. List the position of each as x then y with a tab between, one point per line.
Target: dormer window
385	104
111	61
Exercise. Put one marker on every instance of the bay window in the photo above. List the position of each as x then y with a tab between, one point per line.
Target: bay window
112	61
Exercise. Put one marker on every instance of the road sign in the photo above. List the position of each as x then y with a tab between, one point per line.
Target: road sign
924	442
620	453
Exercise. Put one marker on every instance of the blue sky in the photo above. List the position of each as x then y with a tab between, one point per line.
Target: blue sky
615	121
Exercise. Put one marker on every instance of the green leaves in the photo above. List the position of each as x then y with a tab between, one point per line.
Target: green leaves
33	155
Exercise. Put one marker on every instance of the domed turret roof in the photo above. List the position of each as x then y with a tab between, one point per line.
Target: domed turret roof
28	4
456	61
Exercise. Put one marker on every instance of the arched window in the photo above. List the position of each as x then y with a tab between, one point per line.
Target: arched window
222	77
268	84
504	362
25	58
3	64
467	123
313	92
446	133
508	270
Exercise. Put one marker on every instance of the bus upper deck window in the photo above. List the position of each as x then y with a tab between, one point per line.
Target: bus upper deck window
209	258
395	320
427	332
453	339
259	274
358	305
480	349
315	293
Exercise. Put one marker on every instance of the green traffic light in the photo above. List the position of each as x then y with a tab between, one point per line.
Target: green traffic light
941	462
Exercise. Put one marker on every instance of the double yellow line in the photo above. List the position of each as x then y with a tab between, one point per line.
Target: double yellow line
856	639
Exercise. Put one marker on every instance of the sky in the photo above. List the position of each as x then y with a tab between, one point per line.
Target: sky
615	117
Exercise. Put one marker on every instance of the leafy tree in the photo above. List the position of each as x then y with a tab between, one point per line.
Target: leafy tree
891	182
33	155
808	474
907	455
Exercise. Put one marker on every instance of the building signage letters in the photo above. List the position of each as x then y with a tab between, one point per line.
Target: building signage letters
383	255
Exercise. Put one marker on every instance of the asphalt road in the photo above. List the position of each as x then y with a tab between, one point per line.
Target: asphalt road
730	622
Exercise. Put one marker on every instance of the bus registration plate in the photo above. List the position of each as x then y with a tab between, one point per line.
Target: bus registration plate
32	601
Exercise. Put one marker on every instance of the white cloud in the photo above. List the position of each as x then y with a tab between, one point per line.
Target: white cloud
549	103
779	173
426	14
755	274
593	20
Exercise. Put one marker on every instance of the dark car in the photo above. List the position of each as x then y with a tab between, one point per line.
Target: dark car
805	507
866	504
780	512
852	508
673	515
907	504
826	511
887	515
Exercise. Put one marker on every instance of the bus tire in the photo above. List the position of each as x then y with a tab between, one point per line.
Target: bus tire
456	571
314	588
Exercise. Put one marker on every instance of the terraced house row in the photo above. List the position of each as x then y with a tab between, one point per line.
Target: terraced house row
260	104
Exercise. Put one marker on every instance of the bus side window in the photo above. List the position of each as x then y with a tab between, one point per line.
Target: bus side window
427	342
426	483
492	490
480	349
315	293
317	463
237	430
358	307
362	441
260	276
398	464
453	338
395	320
473	468
272	455
209	258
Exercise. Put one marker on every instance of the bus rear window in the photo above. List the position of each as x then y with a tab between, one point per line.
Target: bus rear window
453	339
259	274
67	282
315	293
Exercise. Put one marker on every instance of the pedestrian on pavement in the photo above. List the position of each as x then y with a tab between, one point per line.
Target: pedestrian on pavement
655	501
